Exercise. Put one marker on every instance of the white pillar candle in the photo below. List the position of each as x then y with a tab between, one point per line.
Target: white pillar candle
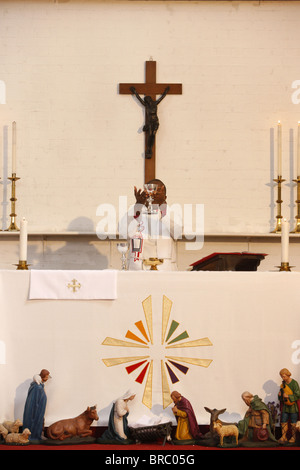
279	149
23	240
14	141
284	241
298	152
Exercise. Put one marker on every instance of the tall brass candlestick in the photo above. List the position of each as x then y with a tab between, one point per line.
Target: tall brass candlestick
13	226
277	229
297	217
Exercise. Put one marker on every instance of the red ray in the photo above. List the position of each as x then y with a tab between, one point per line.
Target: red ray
134	366
141	377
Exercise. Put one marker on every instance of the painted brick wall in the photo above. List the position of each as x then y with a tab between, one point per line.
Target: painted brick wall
80	143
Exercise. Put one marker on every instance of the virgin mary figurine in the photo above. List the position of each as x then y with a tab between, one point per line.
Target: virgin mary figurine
118	420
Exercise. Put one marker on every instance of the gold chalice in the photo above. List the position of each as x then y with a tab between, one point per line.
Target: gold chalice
153	262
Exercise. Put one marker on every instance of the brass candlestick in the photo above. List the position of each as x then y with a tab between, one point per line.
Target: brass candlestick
285	266
22	265
13	226
297	217
279	201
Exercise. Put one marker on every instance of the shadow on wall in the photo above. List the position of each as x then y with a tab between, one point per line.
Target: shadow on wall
5	182
70	253
20	398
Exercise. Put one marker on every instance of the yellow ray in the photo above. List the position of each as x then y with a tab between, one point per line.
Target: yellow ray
166	310
115	361
147	306
147	397
191	360
166	396
118	342
191	344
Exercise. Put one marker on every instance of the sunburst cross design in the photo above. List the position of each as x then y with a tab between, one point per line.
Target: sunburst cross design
170	365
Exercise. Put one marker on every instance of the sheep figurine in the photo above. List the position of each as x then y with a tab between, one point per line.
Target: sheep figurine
226	430
12	426
17	438
3	431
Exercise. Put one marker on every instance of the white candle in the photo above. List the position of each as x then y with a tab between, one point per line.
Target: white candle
279	149
284	241
298	152
14	140
23	240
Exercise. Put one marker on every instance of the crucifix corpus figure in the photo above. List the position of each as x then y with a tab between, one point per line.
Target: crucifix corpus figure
150	89
152	122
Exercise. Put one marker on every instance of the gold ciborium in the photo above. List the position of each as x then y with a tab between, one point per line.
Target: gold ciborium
153	262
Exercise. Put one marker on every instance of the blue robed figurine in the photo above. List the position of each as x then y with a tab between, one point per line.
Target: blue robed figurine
35	405
118	431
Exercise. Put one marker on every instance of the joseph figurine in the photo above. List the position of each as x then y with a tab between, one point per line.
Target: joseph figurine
187	426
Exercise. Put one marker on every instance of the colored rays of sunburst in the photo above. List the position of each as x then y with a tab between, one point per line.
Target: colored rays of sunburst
170	365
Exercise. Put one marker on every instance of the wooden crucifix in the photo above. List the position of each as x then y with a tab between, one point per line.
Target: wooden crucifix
150	89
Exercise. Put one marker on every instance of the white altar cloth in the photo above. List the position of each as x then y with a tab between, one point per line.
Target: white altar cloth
250	318
73	285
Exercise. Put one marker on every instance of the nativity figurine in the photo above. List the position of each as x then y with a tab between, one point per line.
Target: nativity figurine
257	423
187	427
74	427
35	405
289	399
118	430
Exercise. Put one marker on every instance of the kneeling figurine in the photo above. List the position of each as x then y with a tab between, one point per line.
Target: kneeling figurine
257	423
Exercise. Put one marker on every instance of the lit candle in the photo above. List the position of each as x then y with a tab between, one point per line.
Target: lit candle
298	152
284	241
279	149
23	240
14	140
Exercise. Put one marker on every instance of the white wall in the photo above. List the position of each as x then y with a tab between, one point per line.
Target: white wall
79	143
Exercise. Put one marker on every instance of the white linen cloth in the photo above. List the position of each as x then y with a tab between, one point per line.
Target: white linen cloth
58	284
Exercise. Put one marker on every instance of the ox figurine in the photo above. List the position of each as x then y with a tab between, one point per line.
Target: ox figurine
79	426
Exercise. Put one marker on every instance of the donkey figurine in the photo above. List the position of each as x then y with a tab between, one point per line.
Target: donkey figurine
212	436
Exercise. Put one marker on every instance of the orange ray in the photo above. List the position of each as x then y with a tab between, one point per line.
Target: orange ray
131	335
140	326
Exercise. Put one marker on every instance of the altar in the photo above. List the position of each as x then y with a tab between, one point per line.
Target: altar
209	335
